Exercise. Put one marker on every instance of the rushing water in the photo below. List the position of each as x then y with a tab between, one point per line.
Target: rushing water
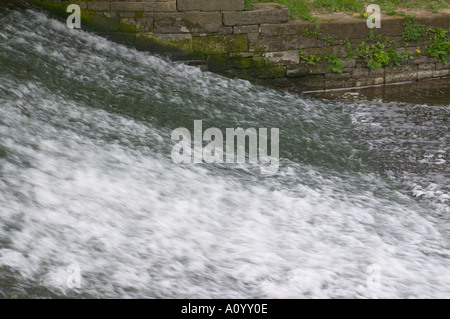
86	179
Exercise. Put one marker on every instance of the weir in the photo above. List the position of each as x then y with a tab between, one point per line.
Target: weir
93	206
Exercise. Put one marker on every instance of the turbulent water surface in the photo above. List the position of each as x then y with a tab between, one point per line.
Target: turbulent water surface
86	179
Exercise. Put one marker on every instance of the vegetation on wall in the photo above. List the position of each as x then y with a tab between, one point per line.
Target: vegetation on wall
378	51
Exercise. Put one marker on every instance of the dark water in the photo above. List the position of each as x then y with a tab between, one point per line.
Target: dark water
86	179
406	129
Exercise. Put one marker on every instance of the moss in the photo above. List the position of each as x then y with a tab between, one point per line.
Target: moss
238	43
262	73
219	62
212	45
149	41
248	62
58	9
129	25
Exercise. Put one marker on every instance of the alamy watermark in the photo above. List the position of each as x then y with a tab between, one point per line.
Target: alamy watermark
73	280
374	19
374	277
74	20
218	152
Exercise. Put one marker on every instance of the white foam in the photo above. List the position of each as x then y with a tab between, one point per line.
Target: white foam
84	186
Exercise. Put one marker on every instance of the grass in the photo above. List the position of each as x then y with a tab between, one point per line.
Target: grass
303	9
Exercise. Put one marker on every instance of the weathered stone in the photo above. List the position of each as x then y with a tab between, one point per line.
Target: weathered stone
428	66
196	22
82	4
210	5
264	15
376	73
174	36
440	73
247	62
359	73
253	37
287	42
241	29
160	6
127	14
340	31
378	81
126	6
391	27
99	6
339	51
292	27
349	63
271	72
138	24
440	66
227	30
283	57
337	75
440	20
364	82
424	74
319	68
164	43
322	52
299	70
220	44
400	74
268	6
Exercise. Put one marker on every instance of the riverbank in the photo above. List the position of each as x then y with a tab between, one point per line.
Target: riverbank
266	45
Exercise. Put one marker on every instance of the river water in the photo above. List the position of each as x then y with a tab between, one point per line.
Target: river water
87	181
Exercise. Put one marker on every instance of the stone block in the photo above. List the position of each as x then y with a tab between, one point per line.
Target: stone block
194	22
159	6
424	74
210	5
292	27
440	73
264	15
427	66
99	5
287	42
401	74
241	29
283	57
213	45
126	6
360	73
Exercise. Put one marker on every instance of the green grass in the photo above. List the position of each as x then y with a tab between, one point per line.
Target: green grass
302	9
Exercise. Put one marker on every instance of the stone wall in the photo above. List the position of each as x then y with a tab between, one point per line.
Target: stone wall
262	44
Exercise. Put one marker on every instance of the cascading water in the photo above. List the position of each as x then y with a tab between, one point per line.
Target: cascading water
86	179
